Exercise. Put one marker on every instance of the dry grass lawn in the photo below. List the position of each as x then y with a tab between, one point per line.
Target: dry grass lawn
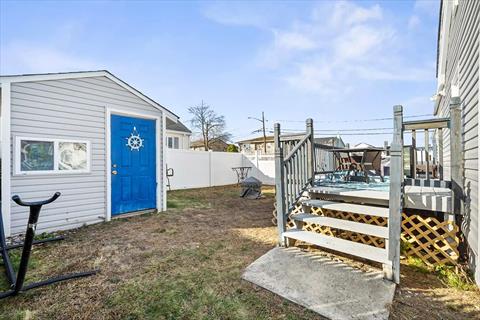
186	264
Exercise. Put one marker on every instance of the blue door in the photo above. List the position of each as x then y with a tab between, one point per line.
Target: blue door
133	170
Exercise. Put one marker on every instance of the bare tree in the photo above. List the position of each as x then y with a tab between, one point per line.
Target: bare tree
209	123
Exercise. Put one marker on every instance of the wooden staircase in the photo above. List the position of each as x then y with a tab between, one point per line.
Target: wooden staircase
338	244
295	170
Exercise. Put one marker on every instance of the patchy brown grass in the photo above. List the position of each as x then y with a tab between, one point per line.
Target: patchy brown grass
186	264
182	264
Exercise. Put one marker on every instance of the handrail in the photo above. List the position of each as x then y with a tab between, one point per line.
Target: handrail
435	123
291	137
294	171
296	175
432	155
297	146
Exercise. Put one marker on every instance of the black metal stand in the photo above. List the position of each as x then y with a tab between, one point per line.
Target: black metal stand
17	281
242	173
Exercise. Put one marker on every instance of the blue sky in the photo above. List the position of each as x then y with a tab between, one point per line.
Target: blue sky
336	62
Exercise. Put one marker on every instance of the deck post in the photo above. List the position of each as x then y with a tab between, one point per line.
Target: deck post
440	153
395	199
311	151
279	185
427	155
456	154
414	158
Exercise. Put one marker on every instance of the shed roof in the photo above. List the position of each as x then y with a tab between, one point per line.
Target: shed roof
200	143
86	74
179	126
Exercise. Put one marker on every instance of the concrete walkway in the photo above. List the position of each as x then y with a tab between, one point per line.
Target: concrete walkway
332	289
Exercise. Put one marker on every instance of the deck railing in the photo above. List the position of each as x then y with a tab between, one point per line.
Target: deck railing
433	162
320	151
294	170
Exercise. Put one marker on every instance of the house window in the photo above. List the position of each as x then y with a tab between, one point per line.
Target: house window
44	155
173	143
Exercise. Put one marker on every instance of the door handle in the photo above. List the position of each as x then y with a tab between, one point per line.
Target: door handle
114	172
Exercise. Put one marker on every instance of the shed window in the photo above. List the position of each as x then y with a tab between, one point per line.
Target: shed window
39	155
72	156
36	155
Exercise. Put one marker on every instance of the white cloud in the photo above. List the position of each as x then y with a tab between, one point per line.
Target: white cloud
293	41
347	14
236	14
336	48
340	45
35	58
414	22
314	77
429	7
360	42
423	8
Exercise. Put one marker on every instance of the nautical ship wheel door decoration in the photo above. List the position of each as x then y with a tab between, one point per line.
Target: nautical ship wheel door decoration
134	141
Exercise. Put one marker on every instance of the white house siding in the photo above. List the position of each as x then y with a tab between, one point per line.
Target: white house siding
63	109
462	69
183	139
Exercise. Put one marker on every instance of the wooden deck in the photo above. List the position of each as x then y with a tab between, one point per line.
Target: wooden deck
416	197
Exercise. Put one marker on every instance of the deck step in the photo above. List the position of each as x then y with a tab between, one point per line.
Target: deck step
341	245
348	207
364	228
375	197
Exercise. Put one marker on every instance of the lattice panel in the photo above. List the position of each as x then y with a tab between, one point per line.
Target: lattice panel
433	241
290	223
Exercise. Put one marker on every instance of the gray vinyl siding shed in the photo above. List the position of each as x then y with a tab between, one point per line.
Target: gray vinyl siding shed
71	108
458	69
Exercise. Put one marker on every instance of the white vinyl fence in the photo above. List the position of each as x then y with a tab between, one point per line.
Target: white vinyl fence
200	169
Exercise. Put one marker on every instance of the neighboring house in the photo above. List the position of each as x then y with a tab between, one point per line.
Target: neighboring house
89	135
216	145
363	145
178	135
458	77
336	142
254	145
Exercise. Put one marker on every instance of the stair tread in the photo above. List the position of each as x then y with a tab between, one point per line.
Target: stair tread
341	245
354	195
364	228
348	207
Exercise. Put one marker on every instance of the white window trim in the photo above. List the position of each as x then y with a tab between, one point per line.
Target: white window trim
55	171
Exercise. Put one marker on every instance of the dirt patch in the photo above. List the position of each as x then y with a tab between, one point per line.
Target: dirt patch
186	264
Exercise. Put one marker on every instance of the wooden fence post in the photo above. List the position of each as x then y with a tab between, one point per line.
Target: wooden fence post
395	201
279	185
311	151
456	154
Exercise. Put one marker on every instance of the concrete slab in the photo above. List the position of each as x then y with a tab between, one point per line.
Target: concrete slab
330	288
